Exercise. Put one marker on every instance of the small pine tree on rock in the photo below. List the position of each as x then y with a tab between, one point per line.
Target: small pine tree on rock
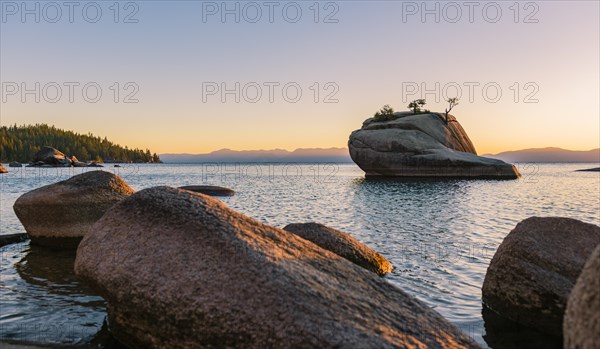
385	114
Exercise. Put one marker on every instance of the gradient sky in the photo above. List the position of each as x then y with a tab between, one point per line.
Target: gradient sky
369	53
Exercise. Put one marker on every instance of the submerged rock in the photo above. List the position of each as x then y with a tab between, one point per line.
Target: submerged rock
582	318
422	145
60	214
343	245
12	238
502	333
185	271
534	269
211	190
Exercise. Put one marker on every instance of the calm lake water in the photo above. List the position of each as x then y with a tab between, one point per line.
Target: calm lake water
439	235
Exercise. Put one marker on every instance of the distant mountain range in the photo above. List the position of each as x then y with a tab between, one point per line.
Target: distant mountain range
548	155
341	155
276	155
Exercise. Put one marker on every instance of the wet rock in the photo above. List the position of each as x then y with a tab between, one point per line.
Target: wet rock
15	164
582	319
185	271
534	269
60	214
343	245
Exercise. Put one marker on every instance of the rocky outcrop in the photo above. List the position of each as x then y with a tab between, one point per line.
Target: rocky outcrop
534	269
60	214
2	169
186	272
581	325
211	190
343	245
15	164
421	145
51	156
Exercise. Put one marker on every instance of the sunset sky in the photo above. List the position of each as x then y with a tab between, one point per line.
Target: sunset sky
367	56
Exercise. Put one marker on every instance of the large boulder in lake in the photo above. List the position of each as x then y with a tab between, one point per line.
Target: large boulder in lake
343	245
581	325
421	145
182	270
51	156
60	214
534	269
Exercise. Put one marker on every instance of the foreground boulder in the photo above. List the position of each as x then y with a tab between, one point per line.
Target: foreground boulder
51	156
182	270
60	214
422	145
343	245
582	318
211	190
534	269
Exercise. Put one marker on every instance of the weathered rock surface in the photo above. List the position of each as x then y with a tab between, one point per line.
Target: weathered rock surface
211	190
343	245
185	271
2	169
51	156
581	325
61	214
534	269
422	145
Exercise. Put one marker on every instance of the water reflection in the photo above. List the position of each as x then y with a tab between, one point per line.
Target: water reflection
440	247
43	302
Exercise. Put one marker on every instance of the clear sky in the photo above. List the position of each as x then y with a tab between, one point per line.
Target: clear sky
361	54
